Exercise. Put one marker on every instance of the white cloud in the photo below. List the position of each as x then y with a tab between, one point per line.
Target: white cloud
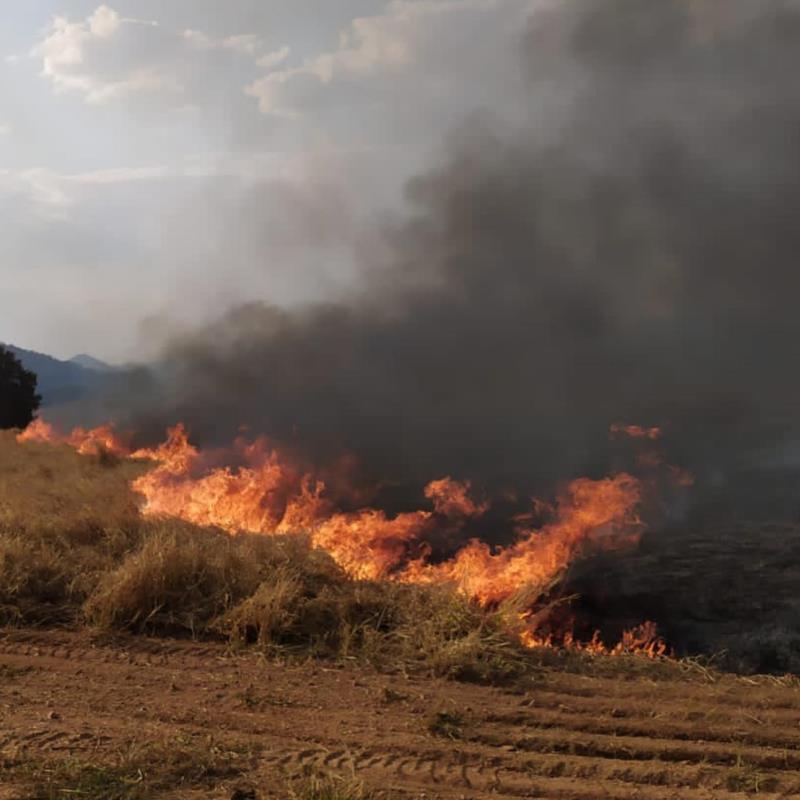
38	187
51	194
70	49
273	59
104	22
119	175
430	43
372	41
106	57
245	43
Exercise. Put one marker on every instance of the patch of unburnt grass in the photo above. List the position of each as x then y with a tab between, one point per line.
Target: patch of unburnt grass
447	723
328	787
253	700
389	696
11	672
746	777
142	772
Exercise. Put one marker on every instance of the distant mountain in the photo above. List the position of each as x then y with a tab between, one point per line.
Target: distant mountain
90	362
62	381
86	391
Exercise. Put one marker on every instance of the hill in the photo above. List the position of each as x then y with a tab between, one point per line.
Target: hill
86	391
63	381
90	362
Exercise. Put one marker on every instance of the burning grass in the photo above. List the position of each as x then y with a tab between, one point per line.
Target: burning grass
74	551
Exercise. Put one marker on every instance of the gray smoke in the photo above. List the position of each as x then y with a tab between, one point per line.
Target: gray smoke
630	254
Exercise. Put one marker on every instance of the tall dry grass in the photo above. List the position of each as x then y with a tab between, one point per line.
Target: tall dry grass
75	551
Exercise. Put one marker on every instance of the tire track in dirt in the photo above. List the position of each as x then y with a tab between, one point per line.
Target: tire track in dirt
473	773
494	769
666	708
653	749
145	653
689	731
728	691
569	737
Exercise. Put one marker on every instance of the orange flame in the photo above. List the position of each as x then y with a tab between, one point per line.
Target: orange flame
90	442
652	459
590	512
636	432
643	640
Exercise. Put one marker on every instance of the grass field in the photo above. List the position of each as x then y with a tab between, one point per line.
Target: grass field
149	659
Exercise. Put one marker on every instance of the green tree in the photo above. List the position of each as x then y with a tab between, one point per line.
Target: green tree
18	398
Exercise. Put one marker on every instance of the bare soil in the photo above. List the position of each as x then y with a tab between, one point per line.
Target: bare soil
67	696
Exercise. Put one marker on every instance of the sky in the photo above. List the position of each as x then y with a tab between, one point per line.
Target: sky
161	163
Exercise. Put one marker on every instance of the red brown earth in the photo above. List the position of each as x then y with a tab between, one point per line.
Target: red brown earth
569	736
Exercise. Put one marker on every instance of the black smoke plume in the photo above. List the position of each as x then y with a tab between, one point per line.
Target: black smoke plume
631	253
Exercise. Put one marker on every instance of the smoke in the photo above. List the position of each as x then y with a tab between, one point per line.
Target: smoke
627	254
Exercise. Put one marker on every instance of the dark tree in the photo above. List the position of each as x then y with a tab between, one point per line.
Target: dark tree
18	398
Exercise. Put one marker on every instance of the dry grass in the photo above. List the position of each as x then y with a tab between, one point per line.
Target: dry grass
447	724
330	787
142	772
64	520
181	578
74	550
53	487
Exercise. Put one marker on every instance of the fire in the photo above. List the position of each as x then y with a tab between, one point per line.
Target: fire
643	640
648	456
619	430
590	512
40	431
269	494
451	498
90	442
254	497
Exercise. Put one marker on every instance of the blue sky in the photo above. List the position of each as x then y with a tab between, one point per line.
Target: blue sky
160	162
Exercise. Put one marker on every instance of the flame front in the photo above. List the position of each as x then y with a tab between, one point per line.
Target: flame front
600	512
270	495
90	442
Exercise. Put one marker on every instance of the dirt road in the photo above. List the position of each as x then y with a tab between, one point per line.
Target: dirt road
575	737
